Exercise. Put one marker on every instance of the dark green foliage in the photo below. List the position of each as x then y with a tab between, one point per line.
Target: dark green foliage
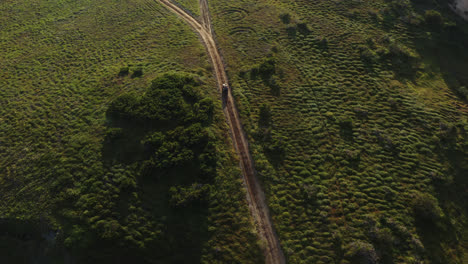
356	126
463	92
303	28
69	169
267	68
173	106
113	133
178	147
362	252
265	71
204	110
123	106
137	72
368	55
124	71
264	116
346	123
275	150
183	196
405	61
323	43
322	181
170	99
273	83
285	18
426	207
291	30
433	19
398	7
174	164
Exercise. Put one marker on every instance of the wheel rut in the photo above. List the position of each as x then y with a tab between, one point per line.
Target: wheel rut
255	196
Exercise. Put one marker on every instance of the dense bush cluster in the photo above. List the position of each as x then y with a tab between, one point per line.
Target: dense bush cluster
164	104
164	194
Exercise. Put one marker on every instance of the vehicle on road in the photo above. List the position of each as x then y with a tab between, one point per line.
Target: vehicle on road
225	89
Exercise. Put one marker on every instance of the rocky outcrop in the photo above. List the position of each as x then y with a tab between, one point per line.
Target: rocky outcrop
460	7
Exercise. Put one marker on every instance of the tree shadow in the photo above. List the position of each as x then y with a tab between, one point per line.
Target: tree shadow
446	50
432	236
29	241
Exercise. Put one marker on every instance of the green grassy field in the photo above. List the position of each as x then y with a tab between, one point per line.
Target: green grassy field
62	64
356	113
191	6
359	129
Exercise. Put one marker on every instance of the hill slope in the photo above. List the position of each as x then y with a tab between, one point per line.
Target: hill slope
357	117
73	182
355	111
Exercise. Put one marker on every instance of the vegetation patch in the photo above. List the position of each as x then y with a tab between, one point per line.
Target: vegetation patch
82	183
354	138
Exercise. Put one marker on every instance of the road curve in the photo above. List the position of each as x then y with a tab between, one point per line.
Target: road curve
255	196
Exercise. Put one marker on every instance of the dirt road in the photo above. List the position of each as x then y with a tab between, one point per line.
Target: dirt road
205	15
256	198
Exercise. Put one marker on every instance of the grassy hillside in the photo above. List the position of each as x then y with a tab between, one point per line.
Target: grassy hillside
72	187
357	118
356	113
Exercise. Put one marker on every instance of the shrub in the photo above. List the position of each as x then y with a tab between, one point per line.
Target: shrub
267	68
362	252
204	110
433	19
123	71
404	60
264	119
303	28
291	30
426	207
463	92
323	43
272	82
285	18
183	196
368	55
138	72
113	134
123	107
276	150
346	123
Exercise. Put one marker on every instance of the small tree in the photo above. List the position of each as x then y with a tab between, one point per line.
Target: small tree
123	71
433	19
265	115
362	252
267	68
426	207
463	91
285	18
138	72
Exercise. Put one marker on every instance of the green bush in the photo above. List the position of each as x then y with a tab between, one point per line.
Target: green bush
138	72
124	71
303	28
267	68
463	92
426	207
361	252
433	19
264	119
285	18
368	55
